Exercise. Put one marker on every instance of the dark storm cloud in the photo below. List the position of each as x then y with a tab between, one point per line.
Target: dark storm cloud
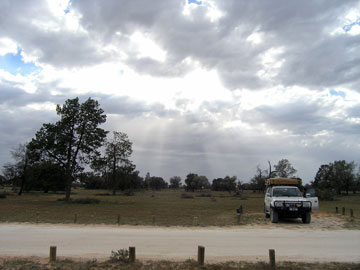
300	118
312	57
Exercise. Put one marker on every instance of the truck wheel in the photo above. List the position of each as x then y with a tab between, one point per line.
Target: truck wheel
274	216
306	218
267	215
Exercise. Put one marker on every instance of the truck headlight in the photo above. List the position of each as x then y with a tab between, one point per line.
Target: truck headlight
306	204
278	204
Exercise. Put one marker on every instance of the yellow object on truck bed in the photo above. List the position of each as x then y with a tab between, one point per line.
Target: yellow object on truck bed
281	182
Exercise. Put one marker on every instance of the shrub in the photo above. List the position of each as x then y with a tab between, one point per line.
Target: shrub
81	200
86	201
103	194
129	192
326	194
186	196
208	195
122	255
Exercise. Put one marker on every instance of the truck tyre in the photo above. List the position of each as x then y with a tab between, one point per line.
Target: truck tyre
274	216
306	218
267	215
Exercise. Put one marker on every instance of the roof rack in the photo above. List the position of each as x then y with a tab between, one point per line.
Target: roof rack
281	182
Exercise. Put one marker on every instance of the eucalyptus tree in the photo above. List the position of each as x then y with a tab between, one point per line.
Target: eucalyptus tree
18	170
74	140
117	153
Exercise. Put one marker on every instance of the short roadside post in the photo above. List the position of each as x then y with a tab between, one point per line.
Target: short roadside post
272	258
52	256
132	254
201	255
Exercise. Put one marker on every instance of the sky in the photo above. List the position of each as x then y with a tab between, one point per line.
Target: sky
210	87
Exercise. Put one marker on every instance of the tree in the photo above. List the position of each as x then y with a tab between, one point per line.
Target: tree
344	174
45	176
147	181
157	183
175	182
284	169
337	176
224	184
258	181
17	171
195	182
117	154
74	140
91	180
2	180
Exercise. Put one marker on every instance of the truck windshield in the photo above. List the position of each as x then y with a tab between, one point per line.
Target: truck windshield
286	192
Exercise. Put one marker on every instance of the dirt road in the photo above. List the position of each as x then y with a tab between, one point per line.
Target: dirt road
222	244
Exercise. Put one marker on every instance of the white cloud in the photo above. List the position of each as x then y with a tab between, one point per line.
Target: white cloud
7	46
146	47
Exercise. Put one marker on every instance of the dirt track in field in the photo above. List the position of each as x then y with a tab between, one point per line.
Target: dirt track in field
323	240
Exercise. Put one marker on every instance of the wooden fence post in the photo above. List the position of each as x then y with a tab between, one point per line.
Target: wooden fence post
75	218
336	209
343	210
272	258
132	254
52	256
195	222
118	220
37	217
351	213
201	255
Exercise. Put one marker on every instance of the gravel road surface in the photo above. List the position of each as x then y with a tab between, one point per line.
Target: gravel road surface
221	244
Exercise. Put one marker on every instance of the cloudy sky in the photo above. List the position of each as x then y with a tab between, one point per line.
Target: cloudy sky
210	87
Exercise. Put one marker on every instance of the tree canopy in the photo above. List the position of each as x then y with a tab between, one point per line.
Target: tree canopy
339	175
195	182
72	141
116	159
284	169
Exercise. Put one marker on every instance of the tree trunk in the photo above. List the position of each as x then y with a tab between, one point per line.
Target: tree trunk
68	186
23	179
23	176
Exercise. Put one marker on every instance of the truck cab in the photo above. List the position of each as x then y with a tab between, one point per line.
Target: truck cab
284	199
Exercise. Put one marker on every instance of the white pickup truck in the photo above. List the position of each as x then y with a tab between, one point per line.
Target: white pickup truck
284	199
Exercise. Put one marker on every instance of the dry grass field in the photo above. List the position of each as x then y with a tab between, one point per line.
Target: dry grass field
161	208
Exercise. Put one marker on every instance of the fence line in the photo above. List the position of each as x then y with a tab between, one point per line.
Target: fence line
200	256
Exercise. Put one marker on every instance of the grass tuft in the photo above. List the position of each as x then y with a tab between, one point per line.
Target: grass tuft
80	200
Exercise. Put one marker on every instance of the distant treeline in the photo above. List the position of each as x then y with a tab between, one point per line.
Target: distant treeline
56	158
